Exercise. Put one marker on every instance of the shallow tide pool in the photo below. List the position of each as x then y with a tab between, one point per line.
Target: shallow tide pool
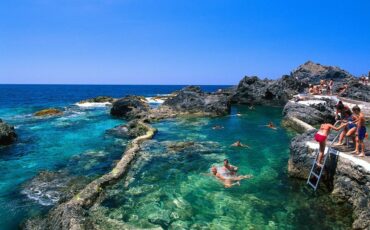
170	185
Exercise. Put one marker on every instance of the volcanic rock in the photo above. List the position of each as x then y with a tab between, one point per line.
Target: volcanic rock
48	112
130	107
7	133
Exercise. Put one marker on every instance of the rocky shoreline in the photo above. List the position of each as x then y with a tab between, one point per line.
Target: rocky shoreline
192	101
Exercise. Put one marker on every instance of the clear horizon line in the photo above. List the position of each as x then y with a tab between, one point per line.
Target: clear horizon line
118	84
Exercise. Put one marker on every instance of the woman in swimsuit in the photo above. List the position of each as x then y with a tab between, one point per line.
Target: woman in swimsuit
321	137
348	130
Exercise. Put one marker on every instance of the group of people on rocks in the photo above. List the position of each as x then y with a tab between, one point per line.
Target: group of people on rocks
352	124
365	79
324	88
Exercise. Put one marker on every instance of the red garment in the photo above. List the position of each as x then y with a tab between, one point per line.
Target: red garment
320	138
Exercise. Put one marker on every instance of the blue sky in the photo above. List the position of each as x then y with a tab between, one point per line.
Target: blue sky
177	42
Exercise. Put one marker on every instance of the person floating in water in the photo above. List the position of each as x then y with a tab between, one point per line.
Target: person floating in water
321	137
233	169
224	175
361	131
271	125
239	144
217	127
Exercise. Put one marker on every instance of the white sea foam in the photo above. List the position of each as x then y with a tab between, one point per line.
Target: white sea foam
93	104
153	100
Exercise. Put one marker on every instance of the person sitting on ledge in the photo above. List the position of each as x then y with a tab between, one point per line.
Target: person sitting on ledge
348	130
226	178
321	137
361	131
340	110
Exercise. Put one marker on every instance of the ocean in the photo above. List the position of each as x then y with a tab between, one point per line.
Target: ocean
167	187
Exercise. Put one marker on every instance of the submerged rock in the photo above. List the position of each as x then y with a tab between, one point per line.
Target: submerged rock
49	188
48	112
132	129
130	107
193	100
252	90
7	133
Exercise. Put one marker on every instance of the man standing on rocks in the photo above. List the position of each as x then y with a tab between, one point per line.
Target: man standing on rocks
361	131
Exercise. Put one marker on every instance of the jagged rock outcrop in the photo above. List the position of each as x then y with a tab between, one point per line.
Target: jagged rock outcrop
356	90
48	112
99	99
193	100
312	73
7	133
252	90
130	107
312	112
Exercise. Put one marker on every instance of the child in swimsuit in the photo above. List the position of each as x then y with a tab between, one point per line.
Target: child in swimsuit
361	131
321	137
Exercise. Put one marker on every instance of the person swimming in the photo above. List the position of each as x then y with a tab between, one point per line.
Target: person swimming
239	144
224	175
271	125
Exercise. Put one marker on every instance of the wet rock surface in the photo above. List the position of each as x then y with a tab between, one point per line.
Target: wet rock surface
130	130
49	188
193	100
7	133
130	107
48	112
252	90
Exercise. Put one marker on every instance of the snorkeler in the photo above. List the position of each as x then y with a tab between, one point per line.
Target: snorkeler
226	178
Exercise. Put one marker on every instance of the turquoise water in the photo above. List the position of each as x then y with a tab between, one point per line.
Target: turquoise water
74	145
172	188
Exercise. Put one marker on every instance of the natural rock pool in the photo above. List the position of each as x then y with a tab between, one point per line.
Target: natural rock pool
170	186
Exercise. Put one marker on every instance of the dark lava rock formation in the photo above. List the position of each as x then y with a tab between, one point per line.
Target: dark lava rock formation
252	90
130	107
313	114
99	99
7	133
312	73
193	100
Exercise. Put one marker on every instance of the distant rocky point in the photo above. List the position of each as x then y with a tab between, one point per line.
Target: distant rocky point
48	112
7	133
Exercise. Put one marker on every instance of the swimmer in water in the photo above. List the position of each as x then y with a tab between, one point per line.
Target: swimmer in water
217	127
271	125
224	175
239	144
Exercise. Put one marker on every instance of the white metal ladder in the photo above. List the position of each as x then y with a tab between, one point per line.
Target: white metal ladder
313	173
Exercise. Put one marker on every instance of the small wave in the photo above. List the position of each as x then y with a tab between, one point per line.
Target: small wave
153	100
93	104
45	198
